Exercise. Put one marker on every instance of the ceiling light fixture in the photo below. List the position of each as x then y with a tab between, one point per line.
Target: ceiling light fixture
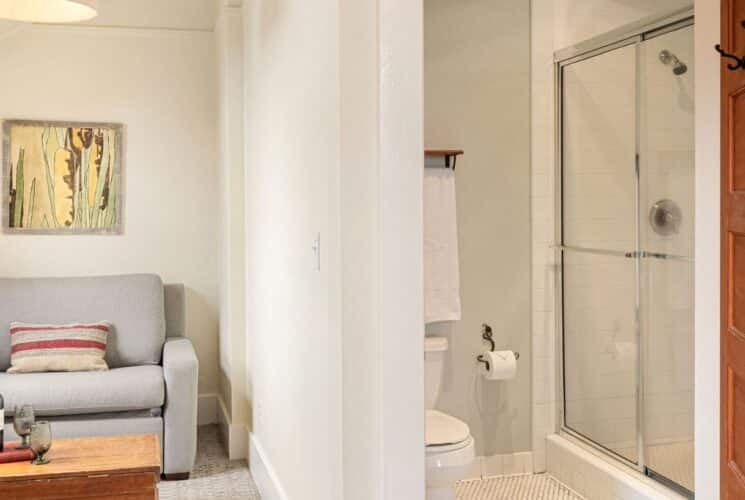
48	11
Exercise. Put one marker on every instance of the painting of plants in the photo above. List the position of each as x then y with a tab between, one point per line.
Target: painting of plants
62	177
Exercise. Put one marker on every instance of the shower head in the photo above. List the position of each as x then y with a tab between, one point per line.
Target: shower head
679	68
669	59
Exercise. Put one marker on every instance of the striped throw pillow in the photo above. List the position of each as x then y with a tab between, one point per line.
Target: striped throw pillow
58	348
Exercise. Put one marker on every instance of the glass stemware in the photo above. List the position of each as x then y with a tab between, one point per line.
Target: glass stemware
23	421
41	441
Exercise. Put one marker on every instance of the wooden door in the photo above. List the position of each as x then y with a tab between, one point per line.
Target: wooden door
732	383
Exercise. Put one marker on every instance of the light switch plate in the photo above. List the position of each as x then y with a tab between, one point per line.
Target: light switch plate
317	251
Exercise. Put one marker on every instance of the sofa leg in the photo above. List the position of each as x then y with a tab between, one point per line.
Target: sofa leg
179	476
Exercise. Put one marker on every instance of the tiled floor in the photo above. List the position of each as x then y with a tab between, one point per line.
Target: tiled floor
522	487
214	476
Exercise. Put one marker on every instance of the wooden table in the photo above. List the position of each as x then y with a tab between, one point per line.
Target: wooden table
114	468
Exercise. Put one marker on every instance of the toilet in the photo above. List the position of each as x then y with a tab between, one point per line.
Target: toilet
450	447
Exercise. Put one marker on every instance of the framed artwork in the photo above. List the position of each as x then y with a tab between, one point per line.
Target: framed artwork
62	177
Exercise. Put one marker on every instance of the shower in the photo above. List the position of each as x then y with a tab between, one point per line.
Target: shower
669	59
625	239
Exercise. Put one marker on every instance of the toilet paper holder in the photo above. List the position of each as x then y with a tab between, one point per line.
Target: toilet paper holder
488	334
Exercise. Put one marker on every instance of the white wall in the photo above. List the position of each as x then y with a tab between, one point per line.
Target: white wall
173	14
161	86
400	219
234	390
229	41
707	250
292	159
360	248
477	98
542	223
334	146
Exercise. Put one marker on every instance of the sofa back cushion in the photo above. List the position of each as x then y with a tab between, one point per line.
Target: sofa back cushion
133	304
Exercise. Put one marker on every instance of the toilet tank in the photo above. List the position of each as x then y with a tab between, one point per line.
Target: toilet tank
434	362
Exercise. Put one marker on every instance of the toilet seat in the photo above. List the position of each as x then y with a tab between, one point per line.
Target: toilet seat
444	433
443	449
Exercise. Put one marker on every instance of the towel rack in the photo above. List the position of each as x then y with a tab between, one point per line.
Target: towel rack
450	155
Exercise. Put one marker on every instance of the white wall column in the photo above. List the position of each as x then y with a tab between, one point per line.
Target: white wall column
233	405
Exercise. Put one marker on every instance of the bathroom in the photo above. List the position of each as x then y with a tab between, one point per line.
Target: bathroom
567	223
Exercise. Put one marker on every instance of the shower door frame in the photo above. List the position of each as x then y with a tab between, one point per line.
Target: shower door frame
632	34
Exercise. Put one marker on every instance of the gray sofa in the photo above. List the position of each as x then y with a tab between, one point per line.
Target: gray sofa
151	386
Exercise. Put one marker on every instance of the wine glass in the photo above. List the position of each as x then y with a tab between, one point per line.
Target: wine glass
41	441
23	420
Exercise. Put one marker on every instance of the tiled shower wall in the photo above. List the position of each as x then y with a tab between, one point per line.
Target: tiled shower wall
542	214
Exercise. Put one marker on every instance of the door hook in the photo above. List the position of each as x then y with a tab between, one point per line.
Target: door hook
740	61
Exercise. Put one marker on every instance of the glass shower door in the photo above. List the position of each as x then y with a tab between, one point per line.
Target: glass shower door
667	235
600	241
627	248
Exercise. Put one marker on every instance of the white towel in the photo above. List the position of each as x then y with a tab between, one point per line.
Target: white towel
441	270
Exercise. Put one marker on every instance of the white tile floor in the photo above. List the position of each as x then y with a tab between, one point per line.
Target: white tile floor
519	487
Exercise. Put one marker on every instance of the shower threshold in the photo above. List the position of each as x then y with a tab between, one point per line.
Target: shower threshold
594	474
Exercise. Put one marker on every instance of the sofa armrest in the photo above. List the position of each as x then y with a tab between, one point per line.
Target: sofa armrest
181	371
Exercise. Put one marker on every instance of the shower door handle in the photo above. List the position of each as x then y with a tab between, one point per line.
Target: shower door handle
655	255
665	256
593	251
643	254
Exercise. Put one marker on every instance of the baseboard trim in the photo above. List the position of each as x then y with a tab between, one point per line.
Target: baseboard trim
263	473
207	409
223	423
235	436
502	465
238	446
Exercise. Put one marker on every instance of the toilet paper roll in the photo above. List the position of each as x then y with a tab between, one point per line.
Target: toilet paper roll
502	365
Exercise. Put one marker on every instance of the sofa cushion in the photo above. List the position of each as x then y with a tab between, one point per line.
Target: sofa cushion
58	348
80	393
133	304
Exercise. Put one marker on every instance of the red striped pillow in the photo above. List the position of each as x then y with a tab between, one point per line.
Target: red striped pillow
58	348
